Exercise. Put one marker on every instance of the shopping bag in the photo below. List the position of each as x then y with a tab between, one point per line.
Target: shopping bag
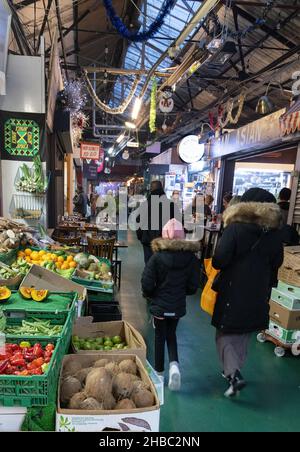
209	296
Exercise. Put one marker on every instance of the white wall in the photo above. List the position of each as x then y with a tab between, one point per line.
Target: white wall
25	85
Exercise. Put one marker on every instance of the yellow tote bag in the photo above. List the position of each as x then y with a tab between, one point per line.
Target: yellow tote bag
209	296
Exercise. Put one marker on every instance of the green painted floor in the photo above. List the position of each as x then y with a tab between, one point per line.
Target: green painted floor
271	402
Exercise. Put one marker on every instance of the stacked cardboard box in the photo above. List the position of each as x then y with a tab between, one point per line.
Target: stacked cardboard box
285	313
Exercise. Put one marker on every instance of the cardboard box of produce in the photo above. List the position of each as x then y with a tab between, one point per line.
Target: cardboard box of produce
83	420
288	337
288	300
11	419
84	328
290	320
288	289
40	278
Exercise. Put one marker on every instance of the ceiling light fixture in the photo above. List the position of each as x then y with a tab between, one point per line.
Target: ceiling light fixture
136	108
120	138
130	125
265	106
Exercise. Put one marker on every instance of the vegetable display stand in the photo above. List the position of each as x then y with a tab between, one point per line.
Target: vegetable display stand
35	390
27	207
95	296
280	347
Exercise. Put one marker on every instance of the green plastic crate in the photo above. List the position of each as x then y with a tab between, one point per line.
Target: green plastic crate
36	390
100	297
9	257
65	336
56	308
97	286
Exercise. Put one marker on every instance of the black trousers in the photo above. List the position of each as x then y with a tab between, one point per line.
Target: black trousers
147	253
165	331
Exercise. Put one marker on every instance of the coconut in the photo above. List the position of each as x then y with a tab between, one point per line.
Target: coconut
76	400
122	386
128	366
71	368
125	404
143	399
91	404
101	363
139	385
70	386
82	374
98	384
109	402
113	368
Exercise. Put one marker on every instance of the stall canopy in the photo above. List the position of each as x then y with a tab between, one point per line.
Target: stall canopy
290	121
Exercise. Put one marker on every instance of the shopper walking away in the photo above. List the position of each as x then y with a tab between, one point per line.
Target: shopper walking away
172	273
249	255
80	201
284	203
154	214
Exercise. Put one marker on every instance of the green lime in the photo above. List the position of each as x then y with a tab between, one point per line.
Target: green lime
117	340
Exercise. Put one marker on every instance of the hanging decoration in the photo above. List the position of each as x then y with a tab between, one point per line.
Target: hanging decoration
74	96
79	123
143	36
166	103
230	119
152	121
167	130
117	110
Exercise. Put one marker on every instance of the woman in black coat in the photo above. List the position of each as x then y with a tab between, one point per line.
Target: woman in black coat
249	255
172	273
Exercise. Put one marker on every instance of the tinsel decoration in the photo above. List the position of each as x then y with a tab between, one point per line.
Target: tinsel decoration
152	121
139	36
117	110
75	95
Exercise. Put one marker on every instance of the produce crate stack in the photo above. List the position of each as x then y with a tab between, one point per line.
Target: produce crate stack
285	301
103	305
30	325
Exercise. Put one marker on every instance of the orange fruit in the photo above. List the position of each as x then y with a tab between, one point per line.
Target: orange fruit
34	255
72	264
61	259
28	251
58	264
21	254
70	259
44	257
28	259
65	266
42	253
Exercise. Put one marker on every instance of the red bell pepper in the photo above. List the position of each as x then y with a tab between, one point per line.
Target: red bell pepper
38	362
18	362
4	365
37	371
38	351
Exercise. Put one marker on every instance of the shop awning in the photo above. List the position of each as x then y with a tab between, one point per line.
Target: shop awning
290	121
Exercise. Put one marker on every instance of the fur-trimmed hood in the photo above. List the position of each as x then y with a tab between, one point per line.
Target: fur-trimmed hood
174	245
265	215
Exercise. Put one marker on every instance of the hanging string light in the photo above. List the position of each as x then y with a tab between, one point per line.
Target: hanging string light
152	121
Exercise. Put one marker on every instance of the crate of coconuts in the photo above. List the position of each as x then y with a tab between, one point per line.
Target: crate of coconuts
106	393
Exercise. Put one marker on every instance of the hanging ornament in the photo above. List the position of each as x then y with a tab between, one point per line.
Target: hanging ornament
125	155
166	103
117	110
152	122
74	95
139	36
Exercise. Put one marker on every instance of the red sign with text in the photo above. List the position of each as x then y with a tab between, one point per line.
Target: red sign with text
90	151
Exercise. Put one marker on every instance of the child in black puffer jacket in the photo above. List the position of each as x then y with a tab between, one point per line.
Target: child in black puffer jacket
172	273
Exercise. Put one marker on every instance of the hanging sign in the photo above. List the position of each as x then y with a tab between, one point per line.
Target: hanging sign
90	151
133	144
22	137
189	149
101	161
90	171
